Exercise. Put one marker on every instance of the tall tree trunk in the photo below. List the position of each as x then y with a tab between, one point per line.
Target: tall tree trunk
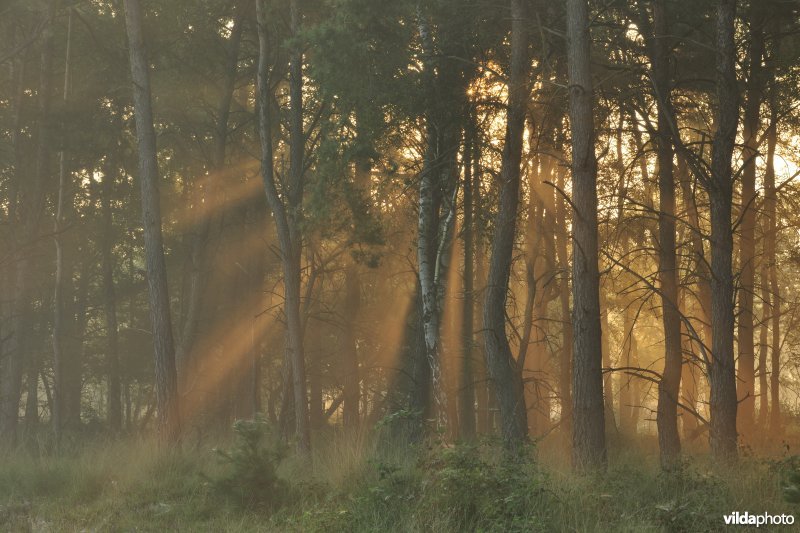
411	391
421	393
63	270
588	437
669	384
351	382
503	368
767	308
110	305
770	244
721	372
747	256
467	391
287	216
445	85
763	342
565	363
433	246
770	317
155	265
295	250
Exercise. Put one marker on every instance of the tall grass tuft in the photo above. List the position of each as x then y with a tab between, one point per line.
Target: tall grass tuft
353	484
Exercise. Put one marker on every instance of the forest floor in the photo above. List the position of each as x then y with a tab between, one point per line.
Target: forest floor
359	485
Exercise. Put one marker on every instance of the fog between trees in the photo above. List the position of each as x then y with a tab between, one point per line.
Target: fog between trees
566	223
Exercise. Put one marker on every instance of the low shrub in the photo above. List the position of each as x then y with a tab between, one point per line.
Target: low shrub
484	490
252	467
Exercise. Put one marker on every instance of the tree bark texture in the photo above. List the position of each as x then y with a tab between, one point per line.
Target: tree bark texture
669	384
504	370
155	265
588	433
747	245
287	216
436	218
722	375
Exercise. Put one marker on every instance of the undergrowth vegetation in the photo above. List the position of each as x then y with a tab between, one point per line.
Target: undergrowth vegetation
252	483
251	478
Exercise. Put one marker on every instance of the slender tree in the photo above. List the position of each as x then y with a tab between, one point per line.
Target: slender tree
62	271
669	384
747	246
588	428
466	415
503	367
110	303
286	205
722	376
770	251
565	363
437	206
155	265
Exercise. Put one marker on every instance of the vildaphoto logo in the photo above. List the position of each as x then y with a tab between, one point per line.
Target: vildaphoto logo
764	519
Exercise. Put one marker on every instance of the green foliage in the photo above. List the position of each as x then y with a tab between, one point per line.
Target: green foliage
384	499
788	470
402	425
396	416
252	467
485	490
357	486
692	494
463	488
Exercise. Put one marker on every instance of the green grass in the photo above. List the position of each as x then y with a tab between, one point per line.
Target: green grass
356	485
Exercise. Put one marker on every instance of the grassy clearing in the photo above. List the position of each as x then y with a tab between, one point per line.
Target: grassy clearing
356	485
